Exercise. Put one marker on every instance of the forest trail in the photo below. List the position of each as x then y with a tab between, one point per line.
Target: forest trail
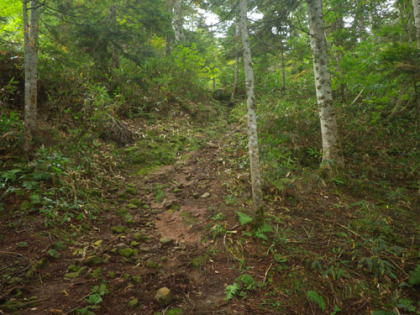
175	227
157	235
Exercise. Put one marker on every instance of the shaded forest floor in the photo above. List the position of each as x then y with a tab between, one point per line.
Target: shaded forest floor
325	248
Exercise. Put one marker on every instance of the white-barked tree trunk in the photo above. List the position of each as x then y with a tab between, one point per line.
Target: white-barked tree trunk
331	148
30	26
254	159
177	21
416	11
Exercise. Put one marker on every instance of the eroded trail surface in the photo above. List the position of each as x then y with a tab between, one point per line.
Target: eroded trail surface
155	234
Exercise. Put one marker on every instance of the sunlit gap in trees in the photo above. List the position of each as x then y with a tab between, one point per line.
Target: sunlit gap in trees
214	23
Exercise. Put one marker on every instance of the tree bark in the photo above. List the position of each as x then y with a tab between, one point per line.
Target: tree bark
179	33
115	55
332	153
237	62
416	11
283	72
31	68
254	159
114	49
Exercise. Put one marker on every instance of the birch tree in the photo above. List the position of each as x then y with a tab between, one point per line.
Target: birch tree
254	159
331	149
416	11
30	26
177	21
237	61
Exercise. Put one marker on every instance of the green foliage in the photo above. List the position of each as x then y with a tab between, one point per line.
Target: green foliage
262	230
414	276
318	299
243	283
231	291
244	218
11	132
94	299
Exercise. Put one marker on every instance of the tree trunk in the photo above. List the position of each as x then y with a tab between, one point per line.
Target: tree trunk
416	10
254	159
283	72
115	54
31	68
179	33
332	154
237	62
114	49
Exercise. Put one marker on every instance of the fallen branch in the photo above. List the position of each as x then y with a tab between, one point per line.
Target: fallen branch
357	97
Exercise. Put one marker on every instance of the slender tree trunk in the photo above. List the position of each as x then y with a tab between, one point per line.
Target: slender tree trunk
237	61
416	10
115	54
254	159
31	68
114	49
339	27
283	72
332	154
179	33
283	66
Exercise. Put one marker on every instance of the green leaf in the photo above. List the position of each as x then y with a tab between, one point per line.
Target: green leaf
94	299
248	283
280	259
102	289
31	185
316	298
231	291
335	310
41	176
414	276
244	218
10	175
36	199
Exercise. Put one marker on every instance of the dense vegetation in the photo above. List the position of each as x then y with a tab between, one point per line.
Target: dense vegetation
123	91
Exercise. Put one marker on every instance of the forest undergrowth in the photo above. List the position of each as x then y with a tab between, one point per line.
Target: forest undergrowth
85	222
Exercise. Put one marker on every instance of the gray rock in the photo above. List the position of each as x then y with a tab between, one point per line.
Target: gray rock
163	296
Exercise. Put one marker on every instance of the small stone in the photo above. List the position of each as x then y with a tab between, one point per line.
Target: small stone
165	240
133	302
205	195
163	296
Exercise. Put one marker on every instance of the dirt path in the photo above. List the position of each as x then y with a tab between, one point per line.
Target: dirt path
156	233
